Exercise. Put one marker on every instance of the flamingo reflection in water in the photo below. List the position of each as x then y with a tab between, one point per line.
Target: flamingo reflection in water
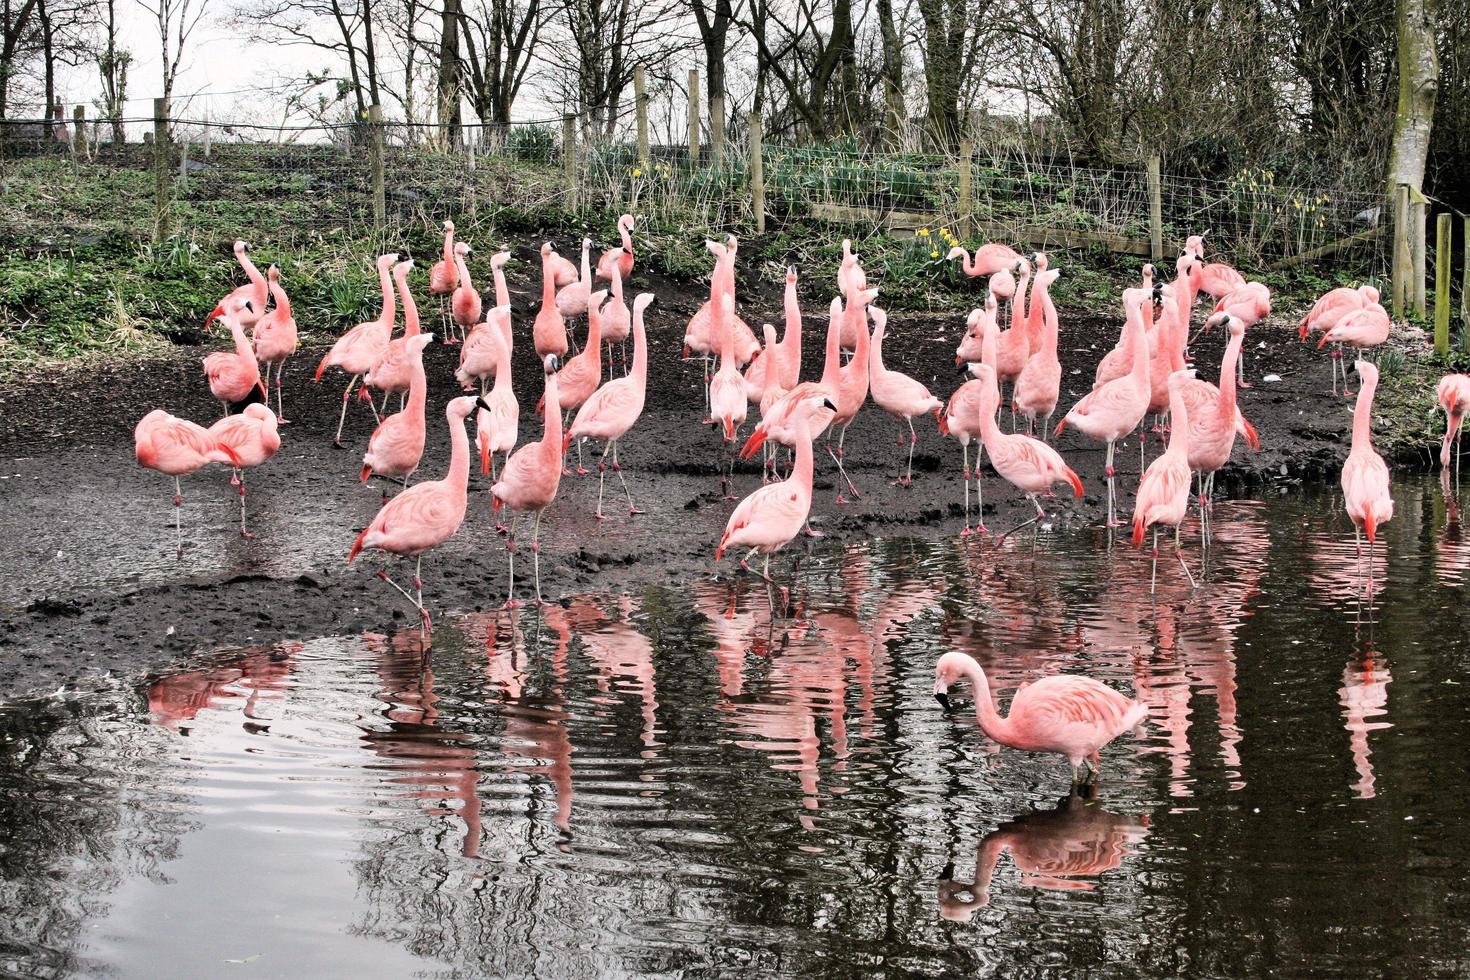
624	660
1063	849
1364	696
254	674
1452	556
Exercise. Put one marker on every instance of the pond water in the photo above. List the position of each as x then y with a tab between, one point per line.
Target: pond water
675	782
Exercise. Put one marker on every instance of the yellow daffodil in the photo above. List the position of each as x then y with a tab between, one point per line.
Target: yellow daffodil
934	253
923	232
637	171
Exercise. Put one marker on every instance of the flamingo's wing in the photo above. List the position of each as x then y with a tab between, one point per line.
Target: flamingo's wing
1068	701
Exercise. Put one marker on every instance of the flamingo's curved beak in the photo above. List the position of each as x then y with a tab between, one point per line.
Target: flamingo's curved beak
213	315
943	700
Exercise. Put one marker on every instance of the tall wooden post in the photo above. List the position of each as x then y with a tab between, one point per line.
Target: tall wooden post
965	186
162	186
208	135
757	175
640	105
375	151
694	115
79	131
1155	209
1442	283
1420	243
1401	260
569	149
717	128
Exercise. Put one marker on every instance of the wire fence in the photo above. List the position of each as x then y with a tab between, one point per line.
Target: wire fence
217	180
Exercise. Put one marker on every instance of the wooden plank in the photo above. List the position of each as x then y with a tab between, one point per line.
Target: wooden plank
1331	248
1078	238
1442	283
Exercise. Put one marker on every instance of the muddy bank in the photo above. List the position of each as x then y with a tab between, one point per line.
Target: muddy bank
94	585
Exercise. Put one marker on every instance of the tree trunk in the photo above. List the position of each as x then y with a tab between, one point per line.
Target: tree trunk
1418	86
449	75
895	113
370	56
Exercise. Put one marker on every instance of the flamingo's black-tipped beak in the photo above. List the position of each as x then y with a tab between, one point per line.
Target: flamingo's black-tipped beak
943	700
480	404
827	404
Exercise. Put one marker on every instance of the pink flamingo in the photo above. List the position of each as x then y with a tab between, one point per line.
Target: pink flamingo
1365	475
497	272
620	259
759	373
444	274
898	394
465	303
727	401
852	381
789	349
850	274
549	332
1118	362
1026	463
616	319
275	337
1214	420
252	435
176	447
1163	492
481	355
1035	312
394	370
1068	714
989	259
233	374
1330	308
768	519
498	425
961	419
1039	385
360	349
571	301
699	337
529	480
1362	329
563	270
1216	278
425	516
583	372
615	407
397	444
1112	410
1166	355
1250	303
1453	394
251	297
1012	345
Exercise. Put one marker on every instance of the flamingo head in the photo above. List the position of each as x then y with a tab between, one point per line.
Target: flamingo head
241	247
551	364
498	260
460	408
402	269
1367	370
625	223
547	250
386	260
957	253
1235	325
952	667
418	342
1369	293
880	321
273	273
449	226
791	275
641	302
462	249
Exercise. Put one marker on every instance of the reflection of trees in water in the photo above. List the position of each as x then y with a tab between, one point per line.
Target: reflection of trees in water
88	799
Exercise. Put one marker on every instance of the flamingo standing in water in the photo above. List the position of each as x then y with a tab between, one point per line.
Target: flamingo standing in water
397	444
1329	309
274	337
1365	475
252	296
465	304
393	371
252	435
1214	420
232	374
1112	410
1454	397
615	407
177	447
549	332
444	275
1163	493
1026	463
529	480
898	394
360	349
1068	714
425	516
620	258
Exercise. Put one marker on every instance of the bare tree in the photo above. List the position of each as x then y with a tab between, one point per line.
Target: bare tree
112	70
501	40
16	29
1418	84
342	29
177	21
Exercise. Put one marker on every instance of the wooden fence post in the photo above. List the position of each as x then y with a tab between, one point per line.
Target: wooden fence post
79	131
569	150
1155	209
162	185
375	151
184	163
694	115
640	105
1420	243
717	128
757	175
208	135
965	186
1401	259
1442	272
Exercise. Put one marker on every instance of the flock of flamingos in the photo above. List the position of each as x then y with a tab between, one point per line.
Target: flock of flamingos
1145	375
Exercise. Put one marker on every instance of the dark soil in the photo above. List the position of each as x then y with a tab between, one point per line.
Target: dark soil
94	587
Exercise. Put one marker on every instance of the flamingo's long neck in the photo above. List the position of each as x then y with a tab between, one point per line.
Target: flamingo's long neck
551	441
548	285
242	343
988	331
801	473
626	232
418	388
640	351
449	246
876	369
968	263
502	291
282	301
586	269
1227	376
832	362
502	367
594	334
386	284
989	408
1019	319
991	723
859	363
464	273
1179	424
1363	417
410	308
791	343
458	478
1140	352
257	280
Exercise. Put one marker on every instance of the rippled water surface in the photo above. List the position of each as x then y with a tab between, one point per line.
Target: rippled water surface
676	782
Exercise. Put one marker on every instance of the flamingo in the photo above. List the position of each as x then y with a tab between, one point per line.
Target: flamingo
961	419
615	407
1117	362
397	444
1250	302
768	519
250	297
1329	309
253	437
232	374
571	301
481	355
1039	385
760	372
1112	410
360	349
989	259
444	274
497	272
1453	393
616	320
549	332
563	270
1214	420
789	349
727	401
393	372
852	380
498	425
1362	329
425	516
529	480
1068	714
700	337
621	258
177	447
583	372
778	414
274	337
1365	475
1163	492
1026	463
898	394
850	274
465	303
